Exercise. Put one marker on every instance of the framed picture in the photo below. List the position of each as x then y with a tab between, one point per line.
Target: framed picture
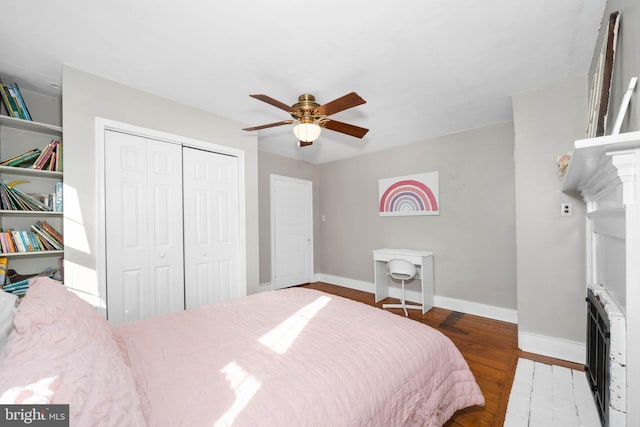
601	84
409	195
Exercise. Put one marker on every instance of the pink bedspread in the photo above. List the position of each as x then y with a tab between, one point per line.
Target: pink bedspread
295	357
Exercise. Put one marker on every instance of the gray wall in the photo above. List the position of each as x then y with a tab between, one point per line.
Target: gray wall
551	251
473	237
273	164
627	61
43	108
86	97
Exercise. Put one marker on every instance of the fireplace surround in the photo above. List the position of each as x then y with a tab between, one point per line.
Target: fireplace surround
605	171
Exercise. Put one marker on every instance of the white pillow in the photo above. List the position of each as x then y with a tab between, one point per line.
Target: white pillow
8	304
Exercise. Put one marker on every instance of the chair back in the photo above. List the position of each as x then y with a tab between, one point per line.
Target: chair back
401	269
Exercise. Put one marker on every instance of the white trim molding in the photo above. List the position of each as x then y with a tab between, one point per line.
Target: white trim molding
477	309
557	348
264	287
468	307
345	282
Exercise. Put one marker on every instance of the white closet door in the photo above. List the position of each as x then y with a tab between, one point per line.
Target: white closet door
211	228
143	180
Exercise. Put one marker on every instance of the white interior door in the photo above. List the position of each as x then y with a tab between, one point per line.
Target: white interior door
144	248
211	228
291	231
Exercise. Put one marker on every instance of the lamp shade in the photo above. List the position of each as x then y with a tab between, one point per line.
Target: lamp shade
306	132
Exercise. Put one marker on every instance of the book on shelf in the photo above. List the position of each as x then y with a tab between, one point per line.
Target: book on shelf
45	199
14	101
18	284
51	230
57	197
9	102
37	239
8	199
28	201
59	158
23	104
19	160
48	234
17	288
6	245
48	158
3	269
5	100
18	241
12	199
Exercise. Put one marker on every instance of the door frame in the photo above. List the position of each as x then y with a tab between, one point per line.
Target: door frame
273	179
101	126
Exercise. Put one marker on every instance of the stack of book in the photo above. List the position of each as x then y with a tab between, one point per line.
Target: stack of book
50	237
49	158
18	288
14	102
25	159
41	237
18	284
14	199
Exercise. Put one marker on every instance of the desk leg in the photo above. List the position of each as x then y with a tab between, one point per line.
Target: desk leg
427	283
380	280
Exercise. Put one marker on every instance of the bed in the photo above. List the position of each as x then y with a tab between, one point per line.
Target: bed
292	357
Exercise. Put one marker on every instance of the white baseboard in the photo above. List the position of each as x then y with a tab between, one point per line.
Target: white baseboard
477	309
557	348
358	285
262	287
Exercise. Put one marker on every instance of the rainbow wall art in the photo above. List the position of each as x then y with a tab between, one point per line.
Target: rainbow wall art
409	195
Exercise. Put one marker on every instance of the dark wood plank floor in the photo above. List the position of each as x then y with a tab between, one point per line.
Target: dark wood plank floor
490	347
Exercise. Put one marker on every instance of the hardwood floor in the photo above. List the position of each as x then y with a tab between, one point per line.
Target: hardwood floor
490	348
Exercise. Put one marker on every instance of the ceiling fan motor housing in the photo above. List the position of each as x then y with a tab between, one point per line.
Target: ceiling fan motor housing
306	109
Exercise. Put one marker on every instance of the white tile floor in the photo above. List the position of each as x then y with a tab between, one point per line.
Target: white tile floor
548	396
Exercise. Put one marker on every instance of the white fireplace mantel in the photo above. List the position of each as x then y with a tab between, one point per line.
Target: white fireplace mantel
599	164
606	172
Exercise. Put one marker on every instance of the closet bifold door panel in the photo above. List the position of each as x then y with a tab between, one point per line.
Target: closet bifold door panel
144	227
211	227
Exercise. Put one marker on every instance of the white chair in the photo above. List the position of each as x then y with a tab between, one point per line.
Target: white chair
403	270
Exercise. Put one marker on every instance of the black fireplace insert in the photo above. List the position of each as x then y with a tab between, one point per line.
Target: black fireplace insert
597	366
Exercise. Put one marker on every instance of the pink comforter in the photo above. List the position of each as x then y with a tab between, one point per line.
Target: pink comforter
295	357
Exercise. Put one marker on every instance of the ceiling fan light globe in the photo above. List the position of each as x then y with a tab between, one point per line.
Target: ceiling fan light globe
307	132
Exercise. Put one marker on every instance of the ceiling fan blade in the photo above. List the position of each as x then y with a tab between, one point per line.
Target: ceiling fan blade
346	128
274	102
270	125
343	103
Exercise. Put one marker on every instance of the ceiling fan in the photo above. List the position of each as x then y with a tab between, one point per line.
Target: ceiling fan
309	116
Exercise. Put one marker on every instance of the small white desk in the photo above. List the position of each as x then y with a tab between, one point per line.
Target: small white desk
421	259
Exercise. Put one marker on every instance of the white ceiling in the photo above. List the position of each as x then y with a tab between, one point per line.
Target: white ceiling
425	68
